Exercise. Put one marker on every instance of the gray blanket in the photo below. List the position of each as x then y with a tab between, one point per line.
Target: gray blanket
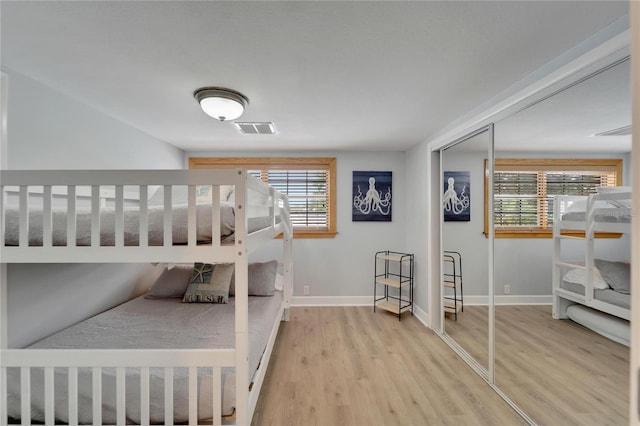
131	226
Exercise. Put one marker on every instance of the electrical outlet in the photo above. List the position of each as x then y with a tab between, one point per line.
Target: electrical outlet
306	290
507	289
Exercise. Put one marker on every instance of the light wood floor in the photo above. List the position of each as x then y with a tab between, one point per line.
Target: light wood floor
349	366
556	370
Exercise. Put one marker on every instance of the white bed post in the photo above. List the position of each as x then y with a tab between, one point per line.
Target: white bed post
557	258
242	302
4	86
287	263
634	406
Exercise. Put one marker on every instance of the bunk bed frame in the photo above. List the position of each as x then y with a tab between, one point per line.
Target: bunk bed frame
145	359
584	227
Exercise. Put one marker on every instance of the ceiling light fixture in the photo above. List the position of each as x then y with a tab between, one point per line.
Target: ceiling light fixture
220	103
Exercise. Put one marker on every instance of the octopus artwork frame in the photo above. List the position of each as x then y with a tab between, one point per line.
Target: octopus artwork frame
456	196
372	197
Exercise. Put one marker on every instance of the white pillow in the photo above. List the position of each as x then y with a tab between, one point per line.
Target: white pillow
579	276
279	282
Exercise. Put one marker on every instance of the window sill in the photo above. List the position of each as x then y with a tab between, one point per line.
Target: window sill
543	233
312	234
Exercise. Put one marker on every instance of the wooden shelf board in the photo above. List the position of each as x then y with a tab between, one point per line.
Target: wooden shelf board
393	257
392	306
392	282
452	284
452	306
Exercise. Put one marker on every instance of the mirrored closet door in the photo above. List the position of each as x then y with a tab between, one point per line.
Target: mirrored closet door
465	247
573	369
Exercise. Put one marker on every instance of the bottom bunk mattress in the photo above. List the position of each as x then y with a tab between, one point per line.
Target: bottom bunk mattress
150	324
604	295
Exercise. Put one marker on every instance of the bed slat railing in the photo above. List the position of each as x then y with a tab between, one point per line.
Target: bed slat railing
144	395
24	216
168	396
25	385
71	216
73	395
77	198
49	397
119	216
144	216
191	216
167	236
97	395
217	402
47	219
70	361
215	215
120	392
193	395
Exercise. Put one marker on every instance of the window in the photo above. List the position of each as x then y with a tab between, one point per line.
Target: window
524	189
310	184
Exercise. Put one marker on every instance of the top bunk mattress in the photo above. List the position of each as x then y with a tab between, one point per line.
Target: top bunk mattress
602	215
131	223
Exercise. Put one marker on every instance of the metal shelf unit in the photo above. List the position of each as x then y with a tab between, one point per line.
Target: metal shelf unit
394	272
452	278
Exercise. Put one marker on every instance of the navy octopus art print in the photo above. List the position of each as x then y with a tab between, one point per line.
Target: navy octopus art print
456	203
371	196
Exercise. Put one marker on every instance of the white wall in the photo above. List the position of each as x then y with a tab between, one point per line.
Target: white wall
417	235
49	130
343	266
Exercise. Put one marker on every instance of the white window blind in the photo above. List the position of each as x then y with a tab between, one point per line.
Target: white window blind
524	198
308	192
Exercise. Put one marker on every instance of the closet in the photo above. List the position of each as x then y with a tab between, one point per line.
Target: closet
550	370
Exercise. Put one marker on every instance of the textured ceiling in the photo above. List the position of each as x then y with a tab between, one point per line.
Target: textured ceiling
330	75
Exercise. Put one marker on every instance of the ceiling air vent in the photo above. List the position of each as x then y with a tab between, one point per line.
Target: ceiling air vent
622	131
256	128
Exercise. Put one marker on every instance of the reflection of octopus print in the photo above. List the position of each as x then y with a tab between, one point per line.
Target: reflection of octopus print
452	202
373	200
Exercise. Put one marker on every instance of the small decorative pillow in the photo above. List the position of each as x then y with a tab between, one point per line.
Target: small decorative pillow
209	283
579	276
172	283
616	274
262	279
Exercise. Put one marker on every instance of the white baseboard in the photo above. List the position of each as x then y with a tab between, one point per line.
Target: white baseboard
419	313
332	301
509	300
422	316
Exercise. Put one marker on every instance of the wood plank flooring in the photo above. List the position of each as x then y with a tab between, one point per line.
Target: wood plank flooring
556	370
349	366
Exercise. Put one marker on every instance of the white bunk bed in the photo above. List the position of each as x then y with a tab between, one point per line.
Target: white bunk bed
579	281
121	234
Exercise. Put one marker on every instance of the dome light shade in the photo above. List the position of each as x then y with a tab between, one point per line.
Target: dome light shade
221	104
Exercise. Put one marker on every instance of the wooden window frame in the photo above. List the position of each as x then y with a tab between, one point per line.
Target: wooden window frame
546	164
288	163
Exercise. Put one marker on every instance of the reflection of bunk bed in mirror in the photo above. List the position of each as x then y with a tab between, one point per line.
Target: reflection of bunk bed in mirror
452	279
591	291
213	367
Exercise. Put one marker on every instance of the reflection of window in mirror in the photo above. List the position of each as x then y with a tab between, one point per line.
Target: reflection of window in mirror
524	189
